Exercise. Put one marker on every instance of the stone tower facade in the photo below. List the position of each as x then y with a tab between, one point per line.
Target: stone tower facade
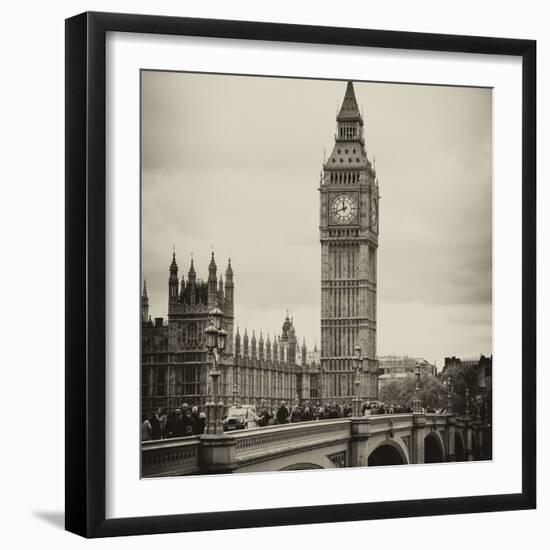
349	242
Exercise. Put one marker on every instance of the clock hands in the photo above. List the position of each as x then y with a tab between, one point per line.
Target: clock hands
343	209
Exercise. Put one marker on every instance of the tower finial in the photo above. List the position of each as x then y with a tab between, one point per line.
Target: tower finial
212	261
229	270
173	265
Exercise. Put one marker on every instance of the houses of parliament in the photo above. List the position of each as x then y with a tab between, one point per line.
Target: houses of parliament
254	369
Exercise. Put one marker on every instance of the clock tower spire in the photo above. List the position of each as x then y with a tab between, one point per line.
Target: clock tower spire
349	243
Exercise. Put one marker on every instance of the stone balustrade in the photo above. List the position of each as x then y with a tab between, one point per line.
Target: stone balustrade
178	456
230	452
254	445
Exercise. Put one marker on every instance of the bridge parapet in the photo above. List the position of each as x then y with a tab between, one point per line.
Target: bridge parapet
351	438
166	457
256	445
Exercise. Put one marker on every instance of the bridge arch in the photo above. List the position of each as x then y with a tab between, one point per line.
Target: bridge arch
302	466
433	449
460	448
387	453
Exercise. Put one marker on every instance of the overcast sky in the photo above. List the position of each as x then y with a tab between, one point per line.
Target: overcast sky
233	163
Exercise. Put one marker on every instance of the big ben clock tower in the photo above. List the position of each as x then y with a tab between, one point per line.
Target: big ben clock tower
349	241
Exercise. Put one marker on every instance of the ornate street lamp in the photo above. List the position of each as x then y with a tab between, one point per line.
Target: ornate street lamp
357	365
417	403
449	384
216	341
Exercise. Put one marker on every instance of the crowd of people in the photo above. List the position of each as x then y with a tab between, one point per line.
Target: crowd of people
187	421
182	422
308	411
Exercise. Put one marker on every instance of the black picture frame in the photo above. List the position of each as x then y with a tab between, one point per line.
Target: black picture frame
86	283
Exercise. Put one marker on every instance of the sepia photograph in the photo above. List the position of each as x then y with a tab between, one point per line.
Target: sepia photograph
316	274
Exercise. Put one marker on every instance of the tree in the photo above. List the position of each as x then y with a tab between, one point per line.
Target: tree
466	377
401	391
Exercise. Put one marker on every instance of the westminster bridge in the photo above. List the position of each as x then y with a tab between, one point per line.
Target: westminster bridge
387	439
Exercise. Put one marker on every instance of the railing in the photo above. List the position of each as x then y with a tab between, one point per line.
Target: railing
254	445
185	455
164	457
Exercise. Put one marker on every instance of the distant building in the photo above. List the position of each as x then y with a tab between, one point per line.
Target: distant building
400	366
483	366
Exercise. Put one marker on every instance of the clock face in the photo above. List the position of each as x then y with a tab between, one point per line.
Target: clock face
343	208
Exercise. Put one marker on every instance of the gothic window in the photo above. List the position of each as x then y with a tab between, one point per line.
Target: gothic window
188	380
192	332
353	151
159	381
341	160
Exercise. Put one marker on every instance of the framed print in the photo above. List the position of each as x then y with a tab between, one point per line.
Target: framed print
293	255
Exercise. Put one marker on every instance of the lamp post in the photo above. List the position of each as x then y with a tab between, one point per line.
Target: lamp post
216	340
357	363
235	393
417	403
450	395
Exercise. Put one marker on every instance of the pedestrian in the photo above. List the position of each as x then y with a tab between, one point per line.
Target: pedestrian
171	426
201	423
163	417
282	414
307	416
320	414
265	416
179	424
146	430
156	430
296	414
195	418
189	427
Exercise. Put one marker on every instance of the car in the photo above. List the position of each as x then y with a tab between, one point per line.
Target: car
240	417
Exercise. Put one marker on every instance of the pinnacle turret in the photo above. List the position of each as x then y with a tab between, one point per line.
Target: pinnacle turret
212	282
212	267
245	343
174	265
253	345
229	270
192	274
144	303
173	281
